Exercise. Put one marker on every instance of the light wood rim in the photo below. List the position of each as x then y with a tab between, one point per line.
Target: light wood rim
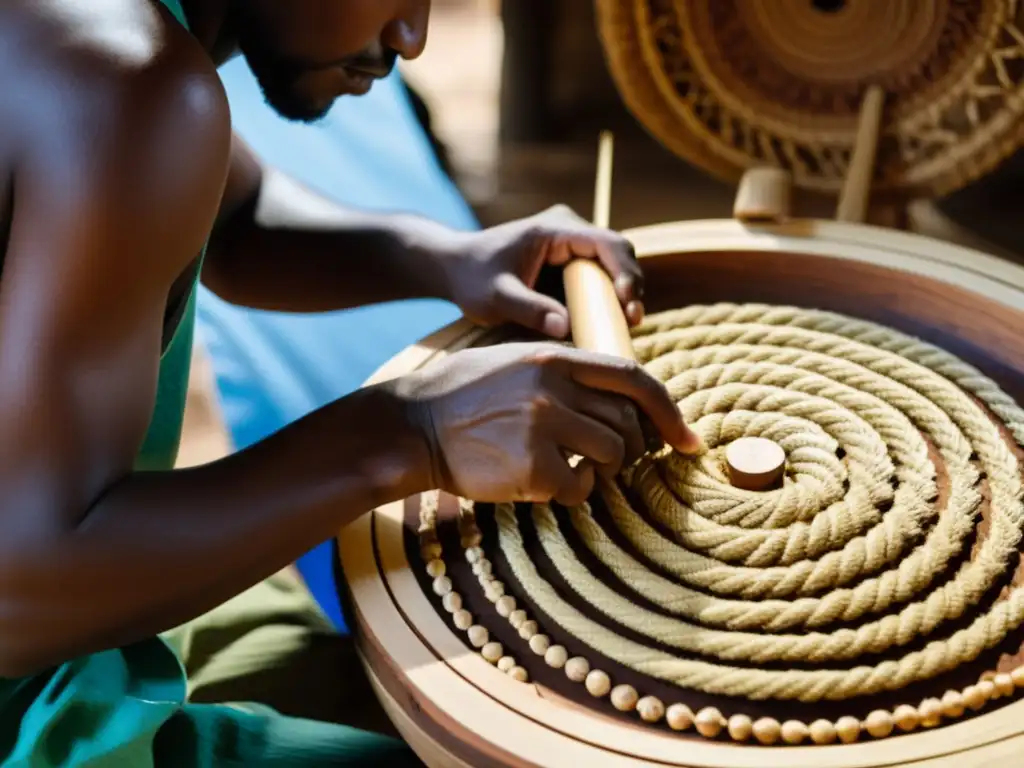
517	718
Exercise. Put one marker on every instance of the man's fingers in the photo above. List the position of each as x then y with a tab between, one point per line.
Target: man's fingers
627	378
517	303
619	414
615	253
580	434
556	481
577	485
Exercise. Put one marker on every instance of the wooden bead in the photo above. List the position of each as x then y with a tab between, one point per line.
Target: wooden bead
794	732
472	539
848	729
473	555
492	652
931	712
598	683
494	590
679	717
478	636
539	644
879	724
906	717
740	727
577	669
651	709
430	551
505	605
556	656
952	704
767	731
988	689
505	663
518	674
709	722
463	619
436	568
1004	684
1017	675
624	698
528	629
974	697
823	732
442	586
517	618
452	602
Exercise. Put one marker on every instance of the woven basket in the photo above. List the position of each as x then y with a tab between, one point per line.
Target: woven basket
731	84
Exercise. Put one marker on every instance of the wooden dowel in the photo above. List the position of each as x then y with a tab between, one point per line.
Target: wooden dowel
764	196
854	197
596	317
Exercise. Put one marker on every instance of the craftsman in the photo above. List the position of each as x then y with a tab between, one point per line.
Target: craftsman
121	182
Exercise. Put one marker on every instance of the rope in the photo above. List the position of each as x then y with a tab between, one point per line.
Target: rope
855	533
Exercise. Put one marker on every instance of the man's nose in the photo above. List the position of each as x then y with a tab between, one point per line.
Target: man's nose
408	33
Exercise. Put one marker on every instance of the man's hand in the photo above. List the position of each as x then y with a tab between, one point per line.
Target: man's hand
492	276
502	421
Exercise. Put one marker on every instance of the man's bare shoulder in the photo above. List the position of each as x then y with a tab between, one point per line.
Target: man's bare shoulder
106	141
119	68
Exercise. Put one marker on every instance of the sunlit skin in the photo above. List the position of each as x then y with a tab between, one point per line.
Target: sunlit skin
117	165
307	53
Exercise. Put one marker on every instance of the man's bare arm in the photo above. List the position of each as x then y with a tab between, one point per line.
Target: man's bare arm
112	202
281	246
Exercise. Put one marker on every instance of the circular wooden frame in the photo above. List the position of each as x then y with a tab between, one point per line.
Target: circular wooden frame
693	91
456	709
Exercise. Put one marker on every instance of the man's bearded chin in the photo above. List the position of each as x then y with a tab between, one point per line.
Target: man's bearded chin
279	82
281	95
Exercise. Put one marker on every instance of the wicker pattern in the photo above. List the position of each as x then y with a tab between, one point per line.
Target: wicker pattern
732	84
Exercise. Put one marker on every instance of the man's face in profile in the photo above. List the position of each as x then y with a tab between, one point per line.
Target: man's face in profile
307	53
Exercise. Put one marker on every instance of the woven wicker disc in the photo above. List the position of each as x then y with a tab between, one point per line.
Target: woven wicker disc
728	84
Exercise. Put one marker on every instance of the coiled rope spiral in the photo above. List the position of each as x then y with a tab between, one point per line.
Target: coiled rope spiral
855	533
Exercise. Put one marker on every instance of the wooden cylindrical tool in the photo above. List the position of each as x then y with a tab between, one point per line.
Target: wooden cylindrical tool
596	317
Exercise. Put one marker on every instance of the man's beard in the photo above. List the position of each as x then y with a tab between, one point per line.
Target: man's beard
277	86
288	105
277	79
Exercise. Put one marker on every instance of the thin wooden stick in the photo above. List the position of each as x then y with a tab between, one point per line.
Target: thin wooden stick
596	317
603	180
853	200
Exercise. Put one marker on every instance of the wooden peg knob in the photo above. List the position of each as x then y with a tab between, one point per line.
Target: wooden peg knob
755	463
763	196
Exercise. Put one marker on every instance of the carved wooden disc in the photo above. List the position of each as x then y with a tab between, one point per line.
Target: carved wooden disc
732	84
457	611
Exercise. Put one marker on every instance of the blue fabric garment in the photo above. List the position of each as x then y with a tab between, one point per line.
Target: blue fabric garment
371	153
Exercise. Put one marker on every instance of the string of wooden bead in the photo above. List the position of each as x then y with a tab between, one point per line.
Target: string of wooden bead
708	722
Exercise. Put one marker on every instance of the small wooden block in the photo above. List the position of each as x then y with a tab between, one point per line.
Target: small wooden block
755	463
763	196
